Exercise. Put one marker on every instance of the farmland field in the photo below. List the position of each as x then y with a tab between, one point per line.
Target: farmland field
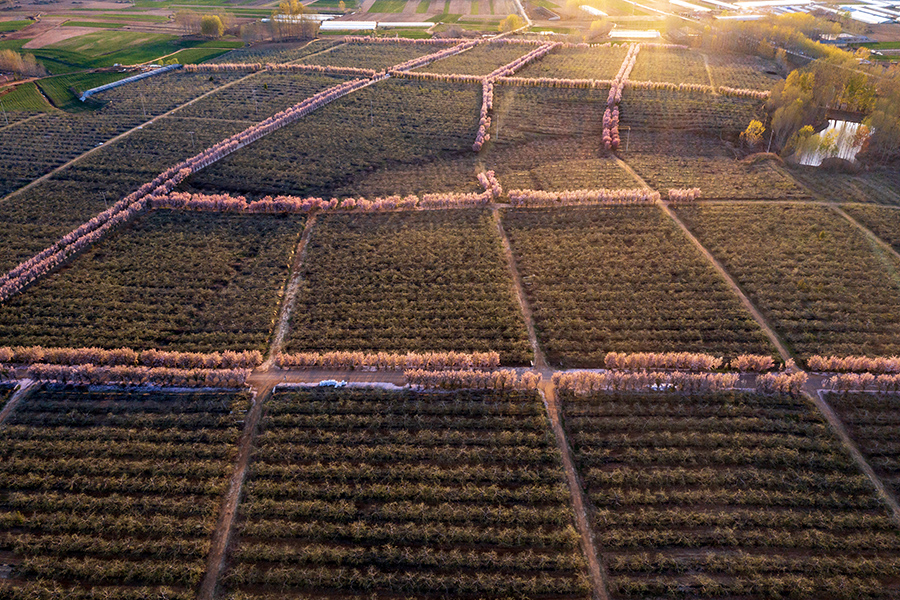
670	65
259	97
824	286
415	281
880	186
728	495
701	160
883	222
524	113
276	53
408	494
370	56
193	282
740	71
37	217
480	60
623	279
872	421
558	164
695	111
577	63
29	150
114	490
358	136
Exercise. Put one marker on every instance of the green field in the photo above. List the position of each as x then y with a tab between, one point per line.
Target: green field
107	48
14	25
98	24
388	6
25	97
58	89
124	16
196	55
423	6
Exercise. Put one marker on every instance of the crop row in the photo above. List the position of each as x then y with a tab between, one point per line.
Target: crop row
872	420
183	281
818	279
731	508
79	517
361	515
407	282
623	279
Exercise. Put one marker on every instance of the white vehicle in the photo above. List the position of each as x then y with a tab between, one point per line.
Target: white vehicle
332	383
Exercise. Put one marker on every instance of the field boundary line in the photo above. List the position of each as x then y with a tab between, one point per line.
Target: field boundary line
25	387
767	328
579	504
292	289
229	507
712	82
864	230
47	176
818	397
540	361
25	120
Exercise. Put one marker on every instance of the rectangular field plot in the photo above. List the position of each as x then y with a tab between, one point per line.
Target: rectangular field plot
569	163
197	282
874	187
276	53
480	60
37	217
161	93
684	160
522	113
376	56
32	148
393	125
813	274
873	422
577	63
882	221
363	493
743	71
259	97
670	66
684	110
408	281
116	491
728	495
623	279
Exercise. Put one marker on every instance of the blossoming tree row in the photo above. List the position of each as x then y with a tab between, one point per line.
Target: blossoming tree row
127	357
296	204
538	198
163	376
585	382
610	133
683	196
505	379
857	364
389	361
864	382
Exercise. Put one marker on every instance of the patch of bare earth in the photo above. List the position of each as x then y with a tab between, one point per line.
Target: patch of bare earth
59	34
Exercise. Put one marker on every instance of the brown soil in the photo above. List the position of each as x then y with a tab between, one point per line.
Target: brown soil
58	34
